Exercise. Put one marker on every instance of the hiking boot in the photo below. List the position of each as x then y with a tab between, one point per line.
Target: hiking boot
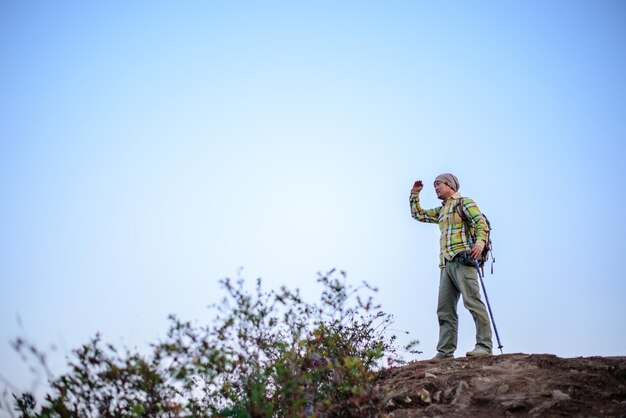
478	352
440	357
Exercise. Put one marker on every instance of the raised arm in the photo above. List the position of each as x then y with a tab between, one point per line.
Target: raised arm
422	215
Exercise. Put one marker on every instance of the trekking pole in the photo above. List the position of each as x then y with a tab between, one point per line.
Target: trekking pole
489	306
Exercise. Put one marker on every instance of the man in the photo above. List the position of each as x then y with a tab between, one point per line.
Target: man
458	276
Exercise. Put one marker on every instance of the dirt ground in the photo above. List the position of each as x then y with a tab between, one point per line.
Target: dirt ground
507	385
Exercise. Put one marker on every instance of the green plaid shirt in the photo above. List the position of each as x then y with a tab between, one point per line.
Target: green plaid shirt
454	238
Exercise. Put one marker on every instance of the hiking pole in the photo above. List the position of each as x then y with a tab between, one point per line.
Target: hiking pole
489	306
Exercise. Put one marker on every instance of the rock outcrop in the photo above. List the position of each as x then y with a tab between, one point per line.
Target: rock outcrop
506	385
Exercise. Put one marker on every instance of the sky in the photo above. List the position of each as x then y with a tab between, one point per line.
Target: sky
149	149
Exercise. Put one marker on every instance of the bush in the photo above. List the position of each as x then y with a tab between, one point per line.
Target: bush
267	354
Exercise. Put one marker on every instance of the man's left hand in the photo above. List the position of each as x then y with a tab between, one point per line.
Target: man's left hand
476	252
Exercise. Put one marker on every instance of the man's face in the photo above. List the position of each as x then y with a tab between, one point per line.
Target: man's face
443	190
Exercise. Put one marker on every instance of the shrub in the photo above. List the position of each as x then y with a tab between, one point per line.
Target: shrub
267	354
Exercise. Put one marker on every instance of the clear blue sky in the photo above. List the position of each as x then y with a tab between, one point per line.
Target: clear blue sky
148	149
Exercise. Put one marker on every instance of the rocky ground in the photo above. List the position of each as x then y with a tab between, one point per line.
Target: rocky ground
507	385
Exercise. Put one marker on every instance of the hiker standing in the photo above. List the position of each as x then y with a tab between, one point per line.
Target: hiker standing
457	257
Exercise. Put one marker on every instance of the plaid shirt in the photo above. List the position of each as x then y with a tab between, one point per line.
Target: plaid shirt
454	238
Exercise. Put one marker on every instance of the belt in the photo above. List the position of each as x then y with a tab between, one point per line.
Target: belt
462	257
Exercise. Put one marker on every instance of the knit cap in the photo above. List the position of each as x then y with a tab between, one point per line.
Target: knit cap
450	180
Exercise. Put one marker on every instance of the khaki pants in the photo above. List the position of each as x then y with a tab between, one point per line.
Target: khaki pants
460	280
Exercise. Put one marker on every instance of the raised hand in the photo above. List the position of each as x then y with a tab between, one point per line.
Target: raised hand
417	186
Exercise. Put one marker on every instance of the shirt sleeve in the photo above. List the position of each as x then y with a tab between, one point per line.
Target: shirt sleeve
477	220
423	215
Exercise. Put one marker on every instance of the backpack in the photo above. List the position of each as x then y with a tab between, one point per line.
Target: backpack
471	233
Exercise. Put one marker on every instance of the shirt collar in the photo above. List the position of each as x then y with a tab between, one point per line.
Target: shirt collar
452	198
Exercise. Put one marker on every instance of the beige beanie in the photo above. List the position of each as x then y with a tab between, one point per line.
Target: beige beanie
449	179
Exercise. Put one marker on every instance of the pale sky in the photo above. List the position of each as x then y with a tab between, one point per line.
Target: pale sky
148	149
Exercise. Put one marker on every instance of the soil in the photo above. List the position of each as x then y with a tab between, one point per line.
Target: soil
512	385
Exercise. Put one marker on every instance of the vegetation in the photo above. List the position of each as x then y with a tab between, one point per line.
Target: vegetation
267	354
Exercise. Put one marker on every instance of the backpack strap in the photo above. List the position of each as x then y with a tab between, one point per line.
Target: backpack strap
458	207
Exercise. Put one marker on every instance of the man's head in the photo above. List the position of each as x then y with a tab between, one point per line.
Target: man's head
446	185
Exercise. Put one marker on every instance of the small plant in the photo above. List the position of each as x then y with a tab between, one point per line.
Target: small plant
267	354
